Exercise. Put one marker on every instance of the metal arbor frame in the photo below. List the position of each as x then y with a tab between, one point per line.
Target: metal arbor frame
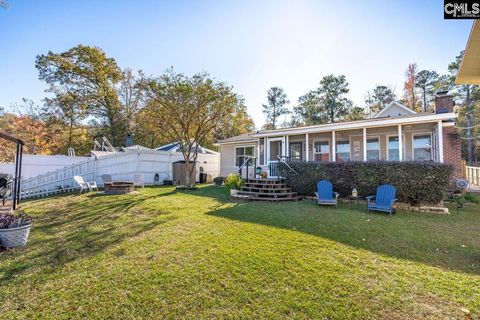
18	166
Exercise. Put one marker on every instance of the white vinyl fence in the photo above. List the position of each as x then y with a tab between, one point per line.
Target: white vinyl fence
122	166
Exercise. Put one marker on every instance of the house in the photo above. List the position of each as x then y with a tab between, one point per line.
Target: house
397	133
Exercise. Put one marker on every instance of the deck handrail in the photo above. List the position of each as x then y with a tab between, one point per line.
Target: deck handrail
245	161
473	175
282	160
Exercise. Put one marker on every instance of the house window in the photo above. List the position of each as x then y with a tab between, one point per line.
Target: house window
295	151
321	151
343	151
373	149
241	153
422	147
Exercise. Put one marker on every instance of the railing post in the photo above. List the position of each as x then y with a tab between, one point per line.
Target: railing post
15	182
20	174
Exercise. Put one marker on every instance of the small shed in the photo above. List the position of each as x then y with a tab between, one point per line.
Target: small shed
178	172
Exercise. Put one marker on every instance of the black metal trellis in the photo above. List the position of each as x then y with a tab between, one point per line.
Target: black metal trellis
18	166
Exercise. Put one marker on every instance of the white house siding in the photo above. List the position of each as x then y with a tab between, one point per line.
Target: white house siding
394	111
227	157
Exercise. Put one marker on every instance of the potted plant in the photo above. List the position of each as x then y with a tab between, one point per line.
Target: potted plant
14	229
234	182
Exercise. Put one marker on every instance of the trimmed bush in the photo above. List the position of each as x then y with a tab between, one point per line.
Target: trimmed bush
416	182
219	180
234	181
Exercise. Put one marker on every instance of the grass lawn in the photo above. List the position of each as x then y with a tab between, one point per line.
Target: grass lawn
173	255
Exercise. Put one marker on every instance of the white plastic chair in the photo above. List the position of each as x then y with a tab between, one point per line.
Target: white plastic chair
138	180
85	185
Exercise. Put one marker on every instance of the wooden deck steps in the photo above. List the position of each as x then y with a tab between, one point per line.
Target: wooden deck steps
272	190
7	208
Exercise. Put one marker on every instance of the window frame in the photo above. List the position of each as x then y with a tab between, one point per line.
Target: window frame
329	149
413	144
349	149
379	147
301	149
404	147
235	153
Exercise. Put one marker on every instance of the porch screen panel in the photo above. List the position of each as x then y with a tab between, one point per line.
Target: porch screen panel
295	151
261	161
275	150
393	154
321	151
422	147
373	149
343	151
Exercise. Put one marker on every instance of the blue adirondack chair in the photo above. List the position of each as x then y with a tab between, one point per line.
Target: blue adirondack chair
384	199
325	193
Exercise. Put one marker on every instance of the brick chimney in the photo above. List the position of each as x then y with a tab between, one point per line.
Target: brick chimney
444	102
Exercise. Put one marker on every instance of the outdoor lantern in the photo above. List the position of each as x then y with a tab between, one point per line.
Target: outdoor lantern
258	170
354	192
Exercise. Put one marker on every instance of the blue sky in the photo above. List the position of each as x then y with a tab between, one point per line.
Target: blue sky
251	45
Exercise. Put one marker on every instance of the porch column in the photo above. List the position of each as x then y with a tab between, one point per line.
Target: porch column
265	151
400	143
258	150
440	140
287	149
365	144
306	147
334	148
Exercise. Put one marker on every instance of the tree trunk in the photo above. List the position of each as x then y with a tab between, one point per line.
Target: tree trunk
70	134
424	100
189	173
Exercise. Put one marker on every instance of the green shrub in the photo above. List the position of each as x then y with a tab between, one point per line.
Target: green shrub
416	182
234	181
470	197
219	180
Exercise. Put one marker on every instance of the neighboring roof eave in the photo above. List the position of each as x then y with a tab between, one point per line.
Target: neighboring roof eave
235	141
175	148
391	105
469	71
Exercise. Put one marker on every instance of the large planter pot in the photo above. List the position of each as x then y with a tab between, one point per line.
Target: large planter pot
233	192
15	237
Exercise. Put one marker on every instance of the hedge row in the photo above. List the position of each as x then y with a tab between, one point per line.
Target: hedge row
416	182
